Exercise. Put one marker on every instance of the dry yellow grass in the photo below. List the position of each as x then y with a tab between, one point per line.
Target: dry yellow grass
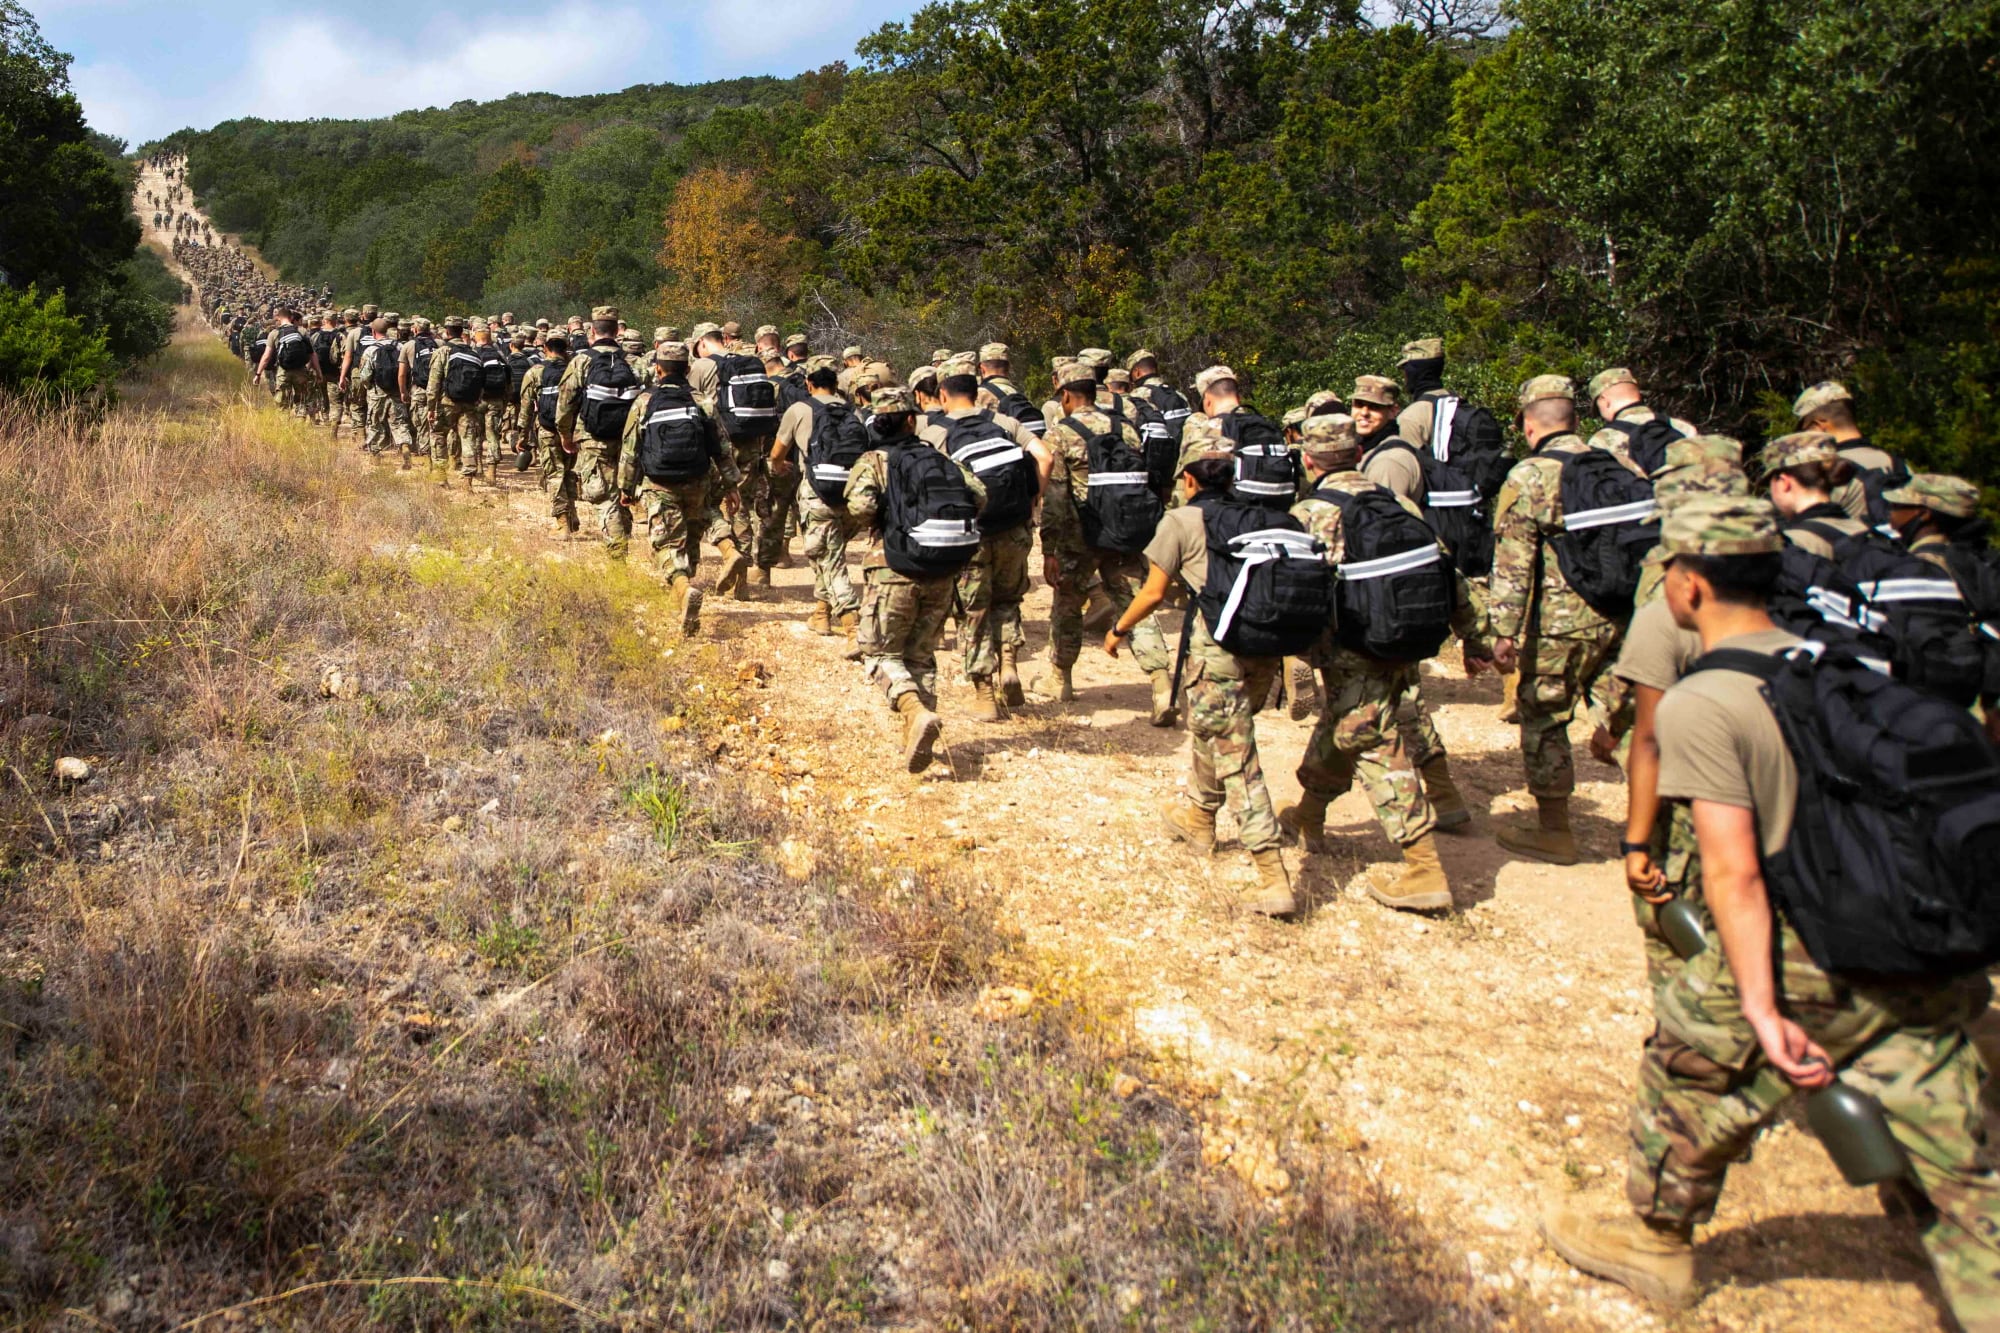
458	993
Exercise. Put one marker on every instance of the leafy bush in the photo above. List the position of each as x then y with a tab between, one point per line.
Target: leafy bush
46	352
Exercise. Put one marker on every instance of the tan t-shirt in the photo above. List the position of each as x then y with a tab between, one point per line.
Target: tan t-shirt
1719	742
1656	651
1180	546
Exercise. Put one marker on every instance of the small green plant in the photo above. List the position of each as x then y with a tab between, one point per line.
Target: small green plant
662	800
506	944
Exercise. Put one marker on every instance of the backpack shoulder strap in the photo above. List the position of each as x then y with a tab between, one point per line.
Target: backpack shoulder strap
1764	666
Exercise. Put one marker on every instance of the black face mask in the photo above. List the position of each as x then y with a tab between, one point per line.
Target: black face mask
1423	376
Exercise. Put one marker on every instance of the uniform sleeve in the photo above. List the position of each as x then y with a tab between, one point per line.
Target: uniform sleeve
795	428
1699	757
865	484
1414	422
1517	540
438	358
973	483
702	382
628	451
569	392
1470	620
1062	529
524	411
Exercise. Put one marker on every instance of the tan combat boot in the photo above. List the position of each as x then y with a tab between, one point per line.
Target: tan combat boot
1306	822
558	530
920	731
691	611
1164	712
1550	840
1055	682
1010	677
1655	1262
1443	793
820	621
985	702
1302	689
1189	823
734	562
757	577
1422	887
848	622
1273	894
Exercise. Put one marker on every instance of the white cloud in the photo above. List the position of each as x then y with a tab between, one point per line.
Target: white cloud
117	102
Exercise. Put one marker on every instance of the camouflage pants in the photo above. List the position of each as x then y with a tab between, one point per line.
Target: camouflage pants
1557	675
502	426
293	387
677	519
388	420
827	532
1222	694
780	494
420	422
1705	1090
1421	742
354	401
1119	575
461	432
901	622
990	590
558	479
597	477
753	516
1357	736
1675	855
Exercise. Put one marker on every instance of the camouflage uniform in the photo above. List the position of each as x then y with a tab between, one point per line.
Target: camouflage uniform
1080	566
902	618
558	464
354	399
1360	733
1223	691
991	588
419	404
1566	647
679	515
458	429
759	524
388	419
596	461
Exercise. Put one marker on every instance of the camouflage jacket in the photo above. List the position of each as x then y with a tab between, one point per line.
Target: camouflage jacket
1069	479
526	411
1527	592
867	488
1322	519
443	353
569	394
719	454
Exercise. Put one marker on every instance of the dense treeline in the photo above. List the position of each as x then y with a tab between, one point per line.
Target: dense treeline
76	297
1735	197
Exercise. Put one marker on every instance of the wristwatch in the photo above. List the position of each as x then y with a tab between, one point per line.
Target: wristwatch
1117	633
1627	848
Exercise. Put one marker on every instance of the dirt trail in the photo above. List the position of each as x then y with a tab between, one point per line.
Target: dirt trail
1477	1064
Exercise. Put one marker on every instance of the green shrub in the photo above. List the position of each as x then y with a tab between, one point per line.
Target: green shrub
47	352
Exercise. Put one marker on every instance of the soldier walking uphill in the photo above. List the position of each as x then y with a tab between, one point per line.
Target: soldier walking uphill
414	381
381	372
744	400
668	461
458	423
1828	407
1399	596
1938	518
536	415
596	391
921	511
288	362
1563	645
820	440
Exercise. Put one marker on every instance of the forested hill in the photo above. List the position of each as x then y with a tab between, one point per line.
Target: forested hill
1733	198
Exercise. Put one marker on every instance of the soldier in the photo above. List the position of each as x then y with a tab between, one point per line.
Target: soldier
1562	644
1357	735
851	361
414	376
758	526
798	349
1147	383
991	588
1622	407
459	427
1222	688
1742	1027
671	455
288	341
999	393
1071	564
825	524
380	372
1938	519
355	392
536	417
596	451
1386	458
1828	407
902	617
1804	471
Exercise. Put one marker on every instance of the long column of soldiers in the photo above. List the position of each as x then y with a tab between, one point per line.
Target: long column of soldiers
1779	662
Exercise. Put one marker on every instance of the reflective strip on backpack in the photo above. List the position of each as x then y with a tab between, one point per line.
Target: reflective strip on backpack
738	409
1989	629
1177	413
670	414
601	392
465	356
1833	607
1118	479
1452	499
1636	512
1272	488
1261	548
1912	590
1402	562
985	455
830	472
1037	427
551	390
1153	430
945	532
1443	411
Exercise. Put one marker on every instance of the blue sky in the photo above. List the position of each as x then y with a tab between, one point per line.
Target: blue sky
143	70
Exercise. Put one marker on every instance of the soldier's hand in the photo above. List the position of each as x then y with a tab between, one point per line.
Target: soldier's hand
1794	1054
731	503
1112	640
1051	571
781	467
1506	656
1646	879
1603	746
627	499
568	443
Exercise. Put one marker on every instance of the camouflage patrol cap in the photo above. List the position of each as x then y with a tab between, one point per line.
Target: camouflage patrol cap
704	330
940	355
1143	354
821	361
603	312
674	334
1604	379
542	323
796	340
852	349
1422	349
1294	416
1326	398
370	310
1797	450
995	352
767	330
1097	358
419	323
350	313
1821	394
1203	441
961	363
670	351
891	398
1118	378
1329	439
477	324
1953	497
662	333
732	329
1543	387
1701	465
1207	377
924	377
1076	376
392	317
1721	525
1376	391
632	338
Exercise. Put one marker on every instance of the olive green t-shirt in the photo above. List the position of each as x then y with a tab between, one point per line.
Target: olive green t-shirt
1180	546
1719	742
1656	651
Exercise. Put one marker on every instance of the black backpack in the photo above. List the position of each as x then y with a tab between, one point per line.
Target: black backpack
519	363
547	394
1914	605
1396	590
1647	441
1015	404
1976	566
1455	511
1269	591
609	386
1120	511
425	347
1815	600
976	443
1609	524
1469	437
495	379
294	351
462	373
838	440
323	341
387	359
745	396
1168	402
930	521
673	444
1888	871
1158	441
1267	471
